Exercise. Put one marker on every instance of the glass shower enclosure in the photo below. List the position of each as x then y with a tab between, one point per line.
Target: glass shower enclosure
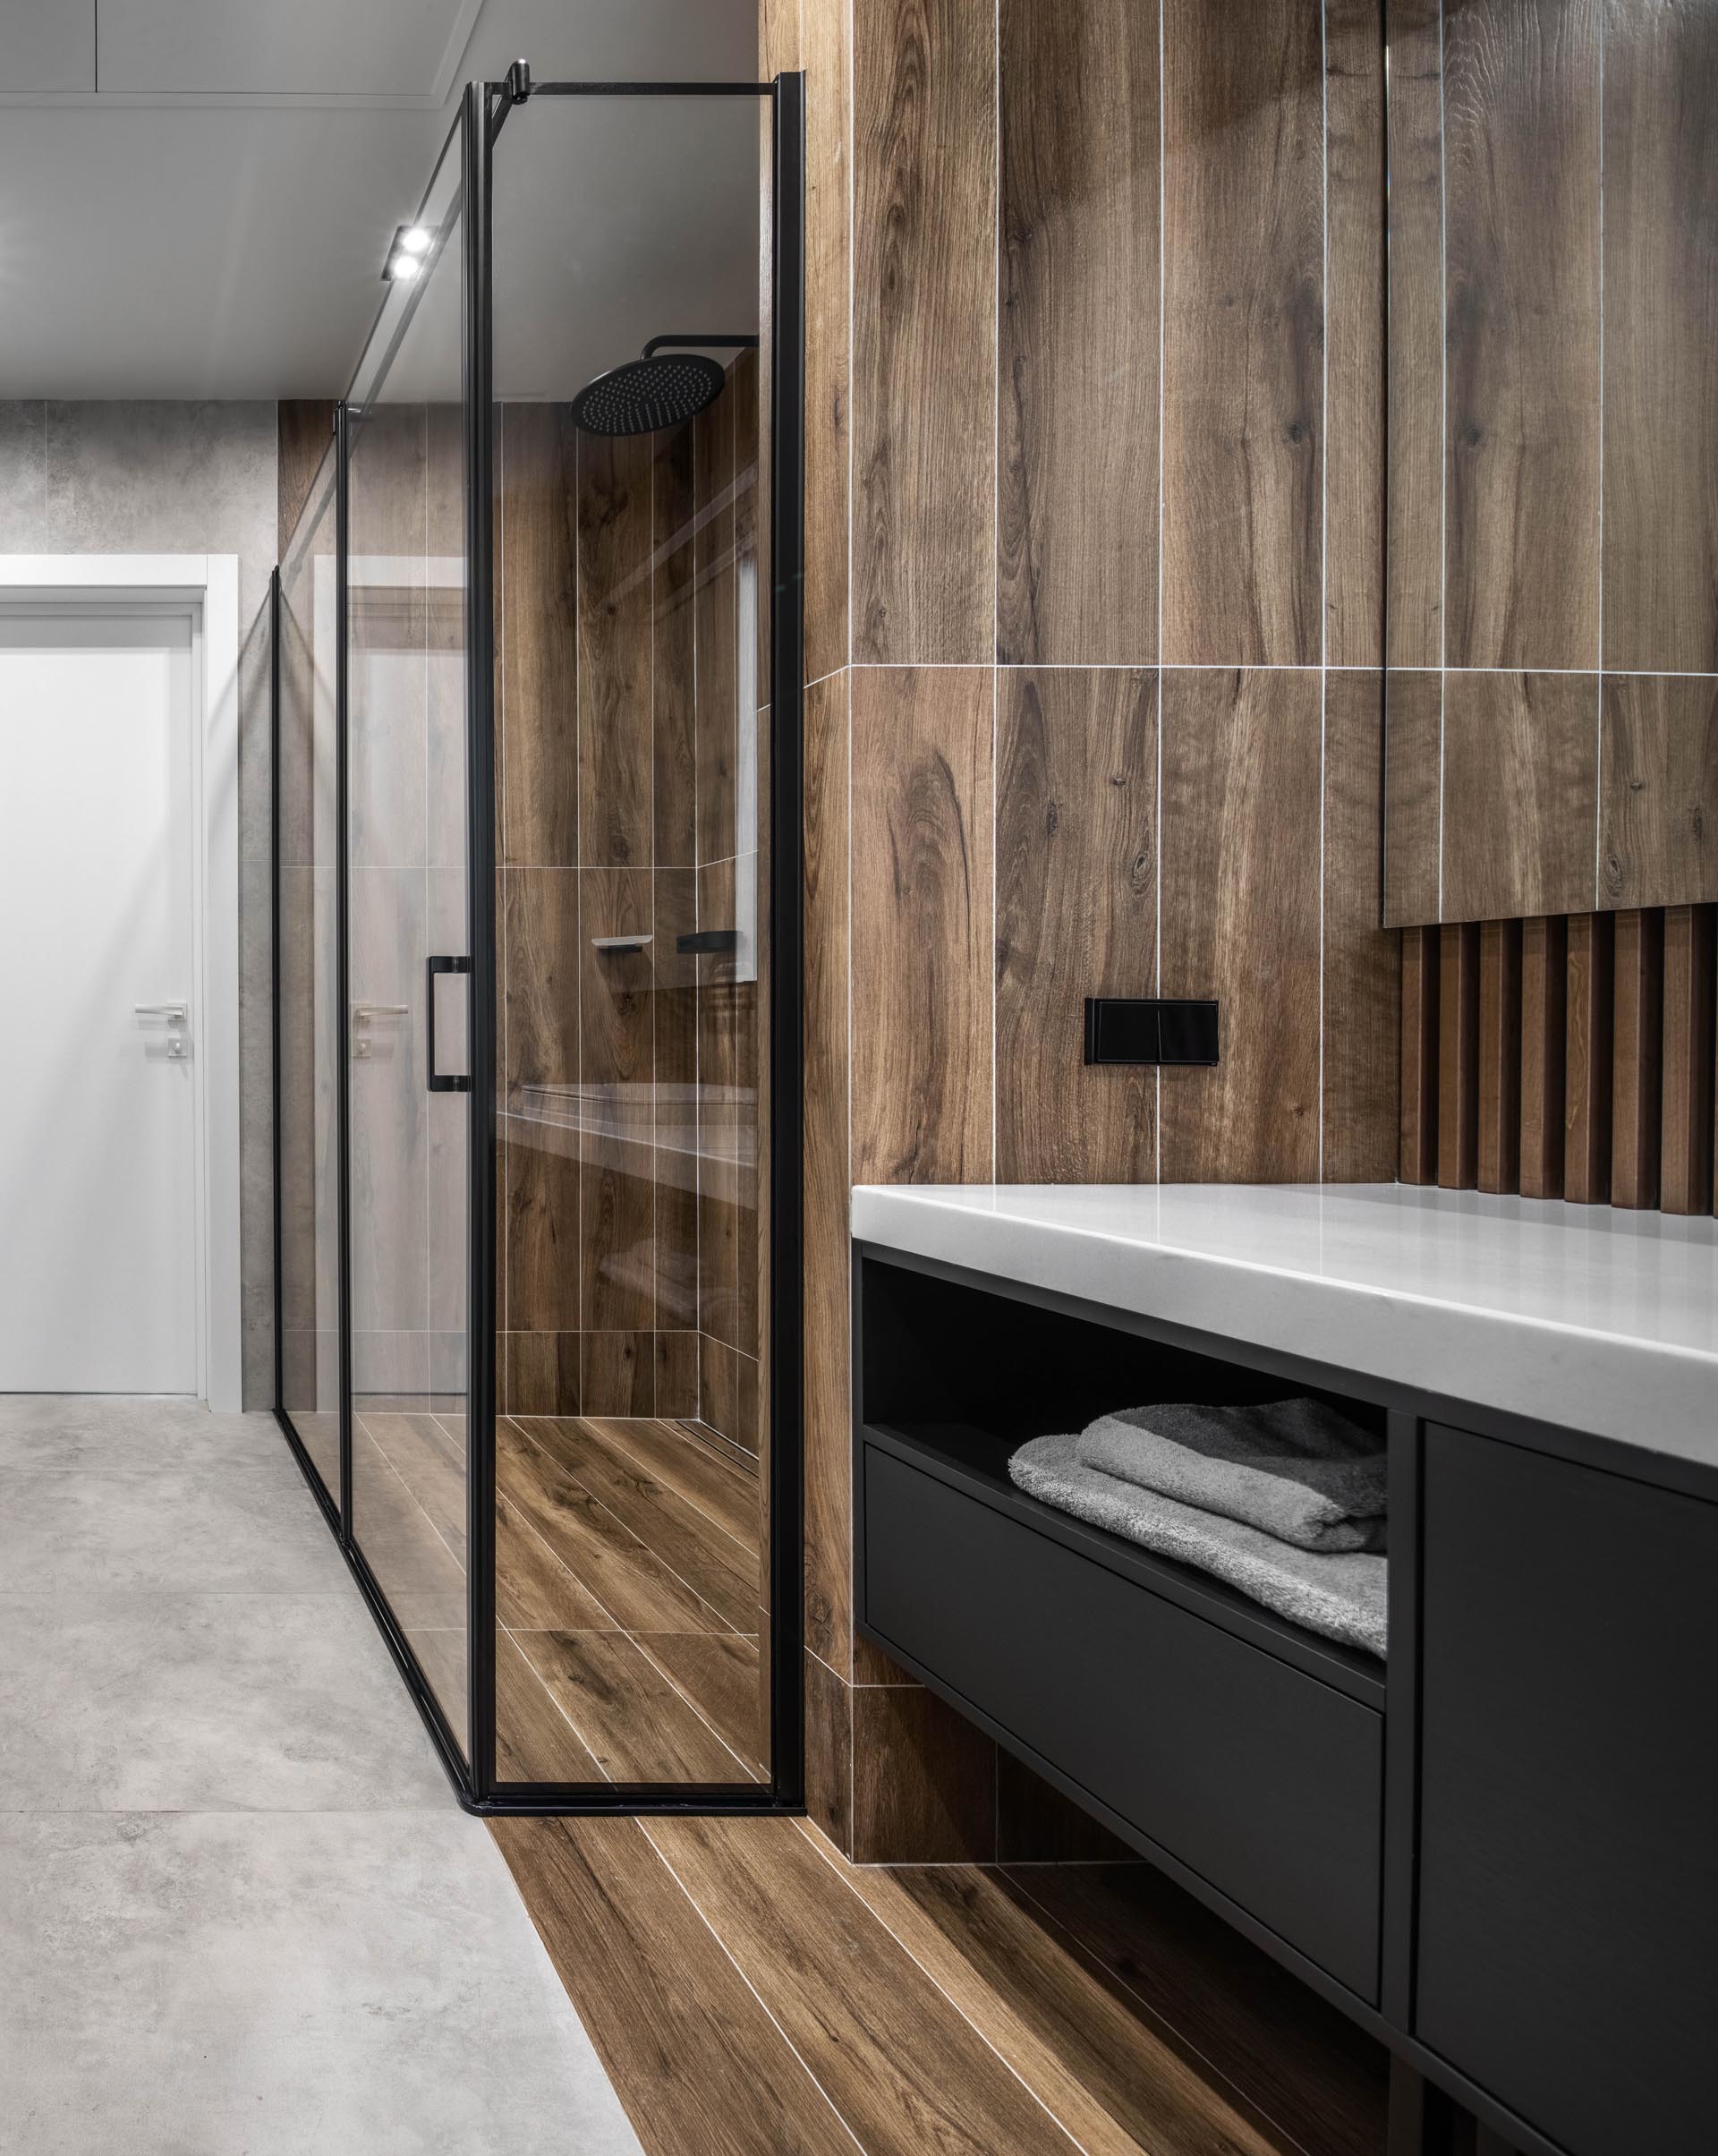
538	872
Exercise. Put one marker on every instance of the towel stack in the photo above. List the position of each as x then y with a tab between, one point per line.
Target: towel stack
1285	1502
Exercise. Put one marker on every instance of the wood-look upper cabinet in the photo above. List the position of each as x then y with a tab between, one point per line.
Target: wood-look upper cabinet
1552	397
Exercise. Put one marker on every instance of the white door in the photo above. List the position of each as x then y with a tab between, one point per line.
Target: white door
98	1287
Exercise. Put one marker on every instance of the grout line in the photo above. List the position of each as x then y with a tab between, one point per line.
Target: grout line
1324	561
1163	305
661	1858
1598	752
1443	440
837	1866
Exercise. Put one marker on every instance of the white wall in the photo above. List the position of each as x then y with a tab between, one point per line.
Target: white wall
182	478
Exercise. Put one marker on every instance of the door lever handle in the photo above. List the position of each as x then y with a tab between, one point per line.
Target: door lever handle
362	1013
177	1012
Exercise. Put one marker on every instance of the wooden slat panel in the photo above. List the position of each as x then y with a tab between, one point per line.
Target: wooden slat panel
1499	1055
1243	359
1413	797
924	959
828	1404
540	642
1521	224
827	57
1587	1113
618	1212
1661	357
1659	803
1414	540
1353	493
1421	1004
1520	794
1545	1043
1077	916
1240	920
1459	1056
1685	1160
924	340
1636	1069
673	645
1078	330
615	717
1363	963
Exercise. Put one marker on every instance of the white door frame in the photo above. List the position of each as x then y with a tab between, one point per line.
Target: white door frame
205	586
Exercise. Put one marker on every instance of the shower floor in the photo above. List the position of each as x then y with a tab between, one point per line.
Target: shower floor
628	1587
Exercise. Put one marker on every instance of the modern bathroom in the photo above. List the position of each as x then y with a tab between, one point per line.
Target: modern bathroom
863	854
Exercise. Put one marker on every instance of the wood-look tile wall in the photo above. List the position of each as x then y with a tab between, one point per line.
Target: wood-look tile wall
1563	1057
628	1263
1095	632
1553	457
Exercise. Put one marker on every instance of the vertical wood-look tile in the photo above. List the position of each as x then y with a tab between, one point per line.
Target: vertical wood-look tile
1637	1059
543	1373
923	1780
673	646
1459	1056
1586	1110
925	331
617	1370
1658	842
924	958
727	1391
541	1254
1363	960
673	1022
1499	1055
1521	221
1240	920
1686	1159
727	1077
1520	794
828	61
617	1238
1421	1004
615	716
1413	797
1354	332
1079	334
829	1406
303	435
1545	1043
1661	355
1243	353
1077	916
829	1752
1413	540
716	630
540	636
539	928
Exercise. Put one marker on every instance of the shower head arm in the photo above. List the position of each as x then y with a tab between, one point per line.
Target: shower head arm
725	344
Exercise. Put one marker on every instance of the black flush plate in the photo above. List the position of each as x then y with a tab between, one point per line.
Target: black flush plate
1148	1029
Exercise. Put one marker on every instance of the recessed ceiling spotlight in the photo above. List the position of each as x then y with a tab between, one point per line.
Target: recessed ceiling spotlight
407	252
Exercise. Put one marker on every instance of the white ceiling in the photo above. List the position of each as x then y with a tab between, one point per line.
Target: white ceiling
195	195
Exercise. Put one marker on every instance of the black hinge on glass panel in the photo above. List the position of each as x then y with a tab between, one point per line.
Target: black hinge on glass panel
438	1084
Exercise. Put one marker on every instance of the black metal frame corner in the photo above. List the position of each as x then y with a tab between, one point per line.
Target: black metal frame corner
483	111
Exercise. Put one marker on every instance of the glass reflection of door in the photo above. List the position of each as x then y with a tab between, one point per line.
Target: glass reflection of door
407	914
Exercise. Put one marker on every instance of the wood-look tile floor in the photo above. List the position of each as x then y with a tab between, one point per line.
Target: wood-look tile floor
751	1993
627	1588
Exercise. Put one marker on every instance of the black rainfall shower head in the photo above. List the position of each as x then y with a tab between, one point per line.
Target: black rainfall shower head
647	392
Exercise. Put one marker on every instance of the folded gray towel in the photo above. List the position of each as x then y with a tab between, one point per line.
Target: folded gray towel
1294	1468
1341	1595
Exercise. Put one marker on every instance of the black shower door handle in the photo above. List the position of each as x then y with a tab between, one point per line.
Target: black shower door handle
438	1084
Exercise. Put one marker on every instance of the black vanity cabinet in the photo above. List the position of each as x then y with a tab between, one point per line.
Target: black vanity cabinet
1568	1794
1499	1851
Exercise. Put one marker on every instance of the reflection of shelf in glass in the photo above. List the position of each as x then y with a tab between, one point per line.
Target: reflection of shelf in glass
692	1137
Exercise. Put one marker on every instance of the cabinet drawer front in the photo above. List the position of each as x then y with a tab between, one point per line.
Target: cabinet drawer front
1265	1782
1568	1857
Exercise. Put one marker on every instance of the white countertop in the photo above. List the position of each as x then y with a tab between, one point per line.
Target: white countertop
1594	1319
